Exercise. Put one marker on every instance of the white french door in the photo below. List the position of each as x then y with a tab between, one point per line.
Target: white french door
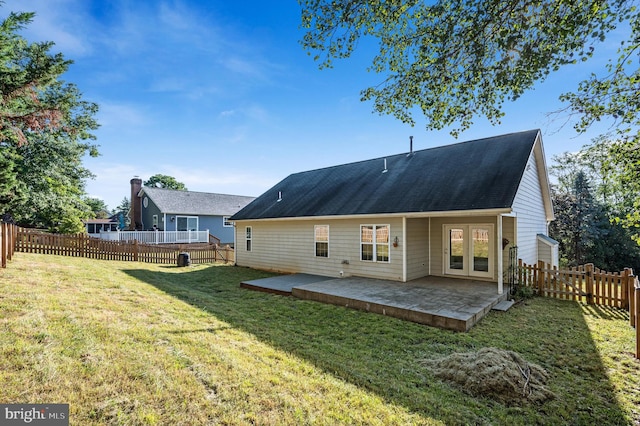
469	250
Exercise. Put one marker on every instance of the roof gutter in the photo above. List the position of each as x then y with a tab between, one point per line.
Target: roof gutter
449	213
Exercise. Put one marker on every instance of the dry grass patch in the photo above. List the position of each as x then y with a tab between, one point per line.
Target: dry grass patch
494	373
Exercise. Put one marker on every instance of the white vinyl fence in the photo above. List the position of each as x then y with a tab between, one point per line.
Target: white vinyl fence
158	237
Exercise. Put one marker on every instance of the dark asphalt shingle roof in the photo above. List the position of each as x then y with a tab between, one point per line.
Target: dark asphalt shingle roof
196	203
479	174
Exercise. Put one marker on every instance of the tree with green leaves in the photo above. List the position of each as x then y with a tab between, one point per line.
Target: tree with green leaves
164	181
456	60
45	129
586	225
98	207
579	222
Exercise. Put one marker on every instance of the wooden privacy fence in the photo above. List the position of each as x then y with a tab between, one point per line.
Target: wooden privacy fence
586	284
81	245
8	234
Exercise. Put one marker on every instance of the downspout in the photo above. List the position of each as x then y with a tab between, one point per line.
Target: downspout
500	260
235	246
404	249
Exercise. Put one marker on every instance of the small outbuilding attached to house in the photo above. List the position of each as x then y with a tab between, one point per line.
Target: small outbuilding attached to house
451	211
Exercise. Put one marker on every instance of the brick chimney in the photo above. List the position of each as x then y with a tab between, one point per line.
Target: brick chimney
136	205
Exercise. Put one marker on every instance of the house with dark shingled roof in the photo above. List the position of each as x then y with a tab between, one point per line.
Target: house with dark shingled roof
458	210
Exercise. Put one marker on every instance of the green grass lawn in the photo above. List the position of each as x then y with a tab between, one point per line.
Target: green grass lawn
133	343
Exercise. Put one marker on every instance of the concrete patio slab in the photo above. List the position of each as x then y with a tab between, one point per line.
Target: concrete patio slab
282	284
451	303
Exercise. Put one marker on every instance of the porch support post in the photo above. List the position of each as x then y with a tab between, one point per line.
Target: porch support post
499	250
429	251
404	249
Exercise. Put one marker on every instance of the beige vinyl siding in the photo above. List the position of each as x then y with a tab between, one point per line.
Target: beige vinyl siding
545	252
417	248
288	246
528	206
508	232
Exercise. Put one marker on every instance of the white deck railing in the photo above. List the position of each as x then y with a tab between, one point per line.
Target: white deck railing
158	237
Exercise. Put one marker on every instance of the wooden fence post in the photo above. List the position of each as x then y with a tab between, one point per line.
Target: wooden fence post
135	250
624	288
637	315
632	300
540	280
3	245
589	282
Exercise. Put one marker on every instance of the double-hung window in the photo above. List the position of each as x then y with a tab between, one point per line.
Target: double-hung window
374	243
321	238
248	237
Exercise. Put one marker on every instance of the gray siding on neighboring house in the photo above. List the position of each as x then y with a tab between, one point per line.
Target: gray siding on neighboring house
528	206
215	226
147	215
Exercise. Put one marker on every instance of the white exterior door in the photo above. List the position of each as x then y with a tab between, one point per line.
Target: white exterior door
469	250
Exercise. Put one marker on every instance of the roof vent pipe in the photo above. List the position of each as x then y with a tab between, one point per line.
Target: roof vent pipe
410	146
279	196
385	166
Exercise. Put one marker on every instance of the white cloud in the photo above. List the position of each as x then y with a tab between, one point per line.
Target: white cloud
121	115
69	32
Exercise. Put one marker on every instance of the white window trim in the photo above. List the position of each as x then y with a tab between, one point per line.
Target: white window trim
248	236
375	244
226	223
468	250
315	241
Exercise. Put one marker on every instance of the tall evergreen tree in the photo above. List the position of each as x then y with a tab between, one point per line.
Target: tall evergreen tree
45	129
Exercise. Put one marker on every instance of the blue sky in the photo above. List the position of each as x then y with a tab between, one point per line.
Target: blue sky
221	96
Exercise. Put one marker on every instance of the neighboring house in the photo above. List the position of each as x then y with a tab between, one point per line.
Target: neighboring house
454	210
173	210
93	227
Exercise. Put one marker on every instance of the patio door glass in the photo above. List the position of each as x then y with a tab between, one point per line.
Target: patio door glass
469	250
456	251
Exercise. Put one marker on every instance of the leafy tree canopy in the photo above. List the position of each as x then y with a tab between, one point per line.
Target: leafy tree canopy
589	200
459	59
454	60
98	207
44	129
164	181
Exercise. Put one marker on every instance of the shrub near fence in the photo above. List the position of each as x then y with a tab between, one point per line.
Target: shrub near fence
81	245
